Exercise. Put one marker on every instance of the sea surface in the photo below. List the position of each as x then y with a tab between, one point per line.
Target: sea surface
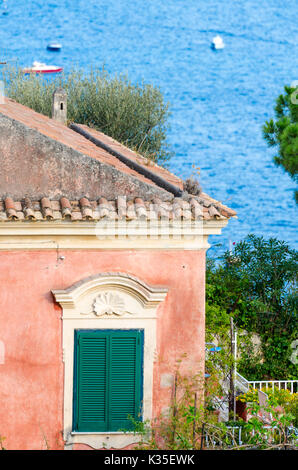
219	99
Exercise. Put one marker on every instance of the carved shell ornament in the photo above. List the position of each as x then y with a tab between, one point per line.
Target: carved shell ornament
108	303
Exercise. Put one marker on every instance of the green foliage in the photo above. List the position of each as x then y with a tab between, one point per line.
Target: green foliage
176	428
292	407
283	133
277	399
279	434
189	424
256	284
134	114
220	363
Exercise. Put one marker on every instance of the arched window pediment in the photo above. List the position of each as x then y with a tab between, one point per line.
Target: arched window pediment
112	289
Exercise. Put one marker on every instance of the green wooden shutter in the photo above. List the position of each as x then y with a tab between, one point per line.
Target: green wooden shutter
91	383
108	379
125	369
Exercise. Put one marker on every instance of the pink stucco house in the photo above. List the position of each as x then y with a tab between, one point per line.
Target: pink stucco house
102	280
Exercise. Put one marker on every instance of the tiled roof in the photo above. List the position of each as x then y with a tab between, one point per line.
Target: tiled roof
192	208
143	201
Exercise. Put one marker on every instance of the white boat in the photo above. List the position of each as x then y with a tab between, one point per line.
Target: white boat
54	46
217	43
5	12
39	67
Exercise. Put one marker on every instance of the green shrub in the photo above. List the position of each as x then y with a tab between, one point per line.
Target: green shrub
134	114
256	284
191	424
288	401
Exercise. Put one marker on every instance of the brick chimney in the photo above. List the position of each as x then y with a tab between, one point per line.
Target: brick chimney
59	106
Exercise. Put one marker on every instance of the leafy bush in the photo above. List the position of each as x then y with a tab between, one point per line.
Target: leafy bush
191	424
288	401
134	114
256	284
176	429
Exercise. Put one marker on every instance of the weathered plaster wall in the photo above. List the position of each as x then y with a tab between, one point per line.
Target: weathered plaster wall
31	391
35	165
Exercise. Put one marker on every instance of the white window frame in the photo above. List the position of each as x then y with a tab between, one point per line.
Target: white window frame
131	304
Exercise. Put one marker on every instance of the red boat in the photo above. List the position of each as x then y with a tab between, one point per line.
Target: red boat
39	67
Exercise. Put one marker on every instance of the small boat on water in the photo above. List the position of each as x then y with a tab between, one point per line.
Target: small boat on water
217	43
5	12
39	67
54	46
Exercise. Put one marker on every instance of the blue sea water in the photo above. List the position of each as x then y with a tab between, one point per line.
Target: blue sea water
219	99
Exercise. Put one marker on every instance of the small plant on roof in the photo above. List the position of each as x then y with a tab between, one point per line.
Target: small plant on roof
192	186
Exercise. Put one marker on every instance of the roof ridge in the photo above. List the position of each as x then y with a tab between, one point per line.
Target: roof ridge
125	147
158	180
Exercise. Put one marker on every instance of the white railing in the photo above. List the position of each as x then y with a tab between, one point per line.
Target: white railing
291	385
244	385
241	383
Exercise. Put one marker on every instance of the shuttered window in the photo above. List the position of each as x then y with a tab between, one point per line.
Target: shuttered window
108	379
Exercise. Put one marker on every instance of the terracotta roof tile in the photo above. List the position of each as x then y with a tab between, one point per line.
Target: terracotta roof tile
121	208
10	208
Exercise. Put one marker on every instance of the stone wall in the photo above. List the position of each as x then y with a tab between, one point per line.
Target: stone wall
35	165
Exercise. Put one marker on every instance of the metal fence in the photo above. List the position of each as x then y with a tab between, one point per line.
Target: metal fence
237	436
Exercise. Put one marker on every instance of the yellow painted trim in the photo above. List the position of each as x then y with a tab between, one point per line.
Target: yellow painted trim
85	235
